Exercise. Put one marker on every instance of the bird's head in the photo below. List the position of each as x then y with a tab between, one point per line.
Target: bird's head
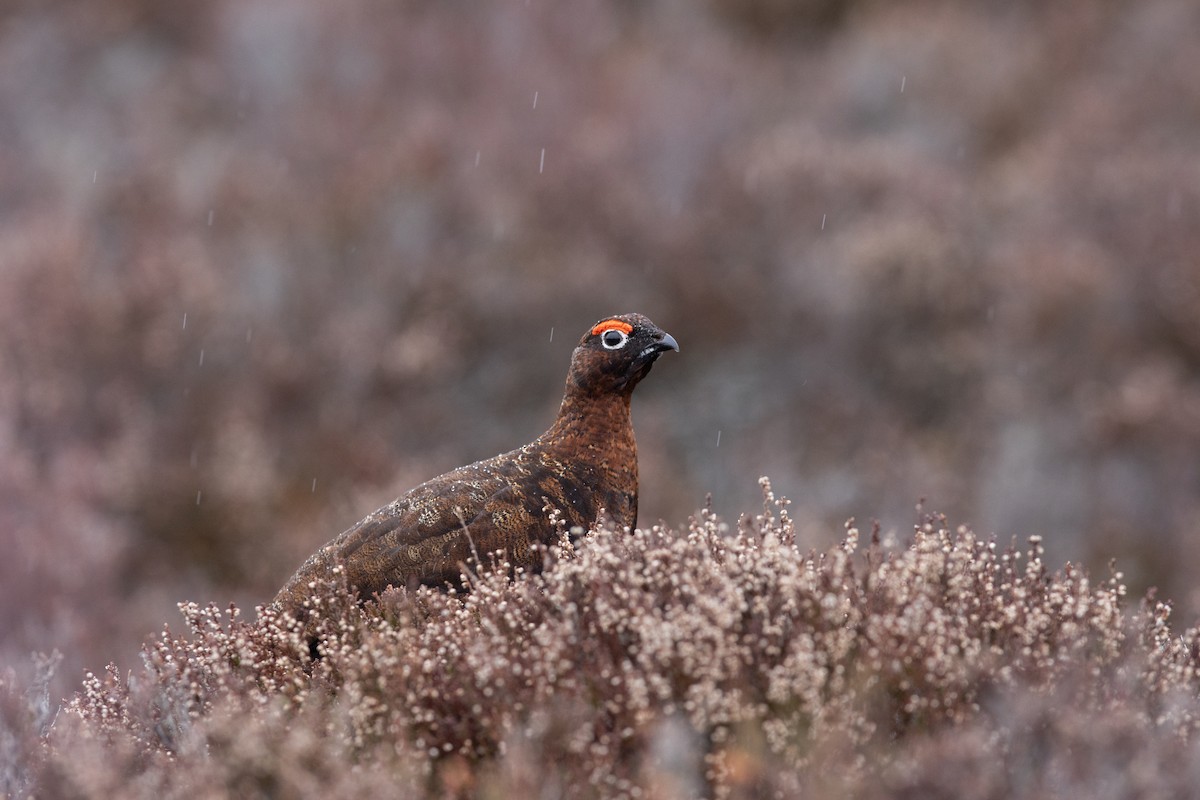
616	353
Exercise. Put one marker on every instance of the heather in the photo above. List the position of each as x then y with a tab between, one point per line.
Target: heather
707	660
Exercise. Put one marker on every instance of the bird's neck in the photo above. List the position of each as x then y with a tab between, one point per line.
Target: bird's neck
593	424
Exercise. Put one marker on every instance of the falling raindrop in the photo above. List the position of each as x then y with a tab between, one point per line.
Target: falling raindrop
478	153
903	80
184	328
201	357
551	333
822	222
314	486
535	96
542	161
95	174
718	438
198	493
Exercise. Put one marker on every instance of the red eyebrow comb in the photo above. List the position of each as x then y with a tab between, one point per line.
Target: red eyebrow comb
611	324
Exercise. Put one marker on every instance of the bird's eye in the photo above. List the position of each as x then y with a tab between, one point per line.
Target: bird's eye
613	339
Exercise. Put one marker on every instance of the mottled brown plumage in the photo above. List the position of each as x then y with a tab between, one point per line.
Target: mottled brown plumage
585	464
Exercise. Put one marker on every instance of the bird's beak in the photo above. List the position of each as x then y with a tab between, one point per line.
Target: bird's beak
667	342
662	343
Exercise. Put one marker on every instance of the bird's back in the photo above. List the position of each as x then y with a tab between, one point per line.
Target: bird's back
429	535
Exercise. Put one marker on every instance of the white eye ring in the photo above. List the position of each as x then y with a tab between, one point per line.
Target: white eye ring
614	339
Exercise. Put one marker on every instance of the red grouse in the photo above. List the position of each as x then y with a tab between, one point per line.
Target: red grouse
584	465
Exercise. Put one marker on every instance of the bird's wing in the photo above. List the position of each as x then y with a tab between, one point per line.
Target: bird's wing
426	536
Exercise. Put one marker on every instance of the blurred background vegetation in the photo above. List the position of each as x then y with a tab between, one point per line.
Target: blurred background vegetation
265	266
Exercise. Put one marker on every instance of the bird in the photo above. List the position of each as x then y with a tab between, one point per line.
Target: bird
582	469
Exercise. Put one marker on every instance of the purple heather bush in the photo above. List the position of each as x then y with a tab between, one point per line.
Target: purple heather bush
708	660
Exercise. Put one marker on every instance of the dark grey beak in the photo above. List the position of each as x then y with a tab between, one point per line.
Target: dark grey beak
667	342
662	343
